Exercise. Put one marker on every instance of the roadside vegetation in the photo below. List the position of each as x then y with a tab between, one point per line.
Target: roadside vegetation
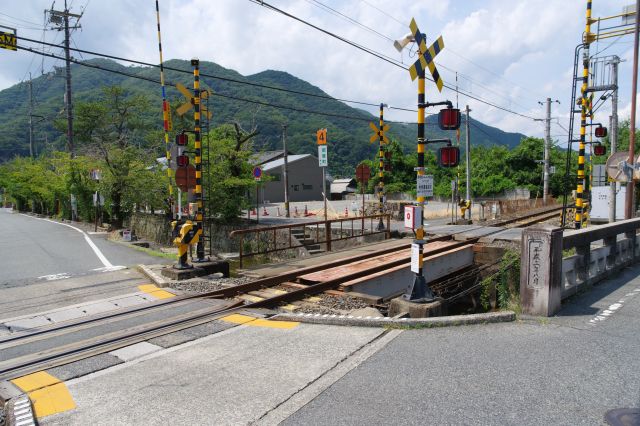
115	133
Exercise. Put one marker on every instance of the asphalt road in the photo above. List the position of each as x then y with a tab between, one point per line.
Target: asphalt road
566	370
34	249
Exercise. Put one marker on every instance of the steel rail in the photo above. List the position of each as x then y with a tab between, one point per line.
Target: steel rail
95	345
105	343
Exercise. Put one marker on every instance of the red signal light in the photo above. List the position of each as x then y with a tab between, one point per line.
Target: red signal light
182	139
449	156
601	132
449	119
599	150
182	160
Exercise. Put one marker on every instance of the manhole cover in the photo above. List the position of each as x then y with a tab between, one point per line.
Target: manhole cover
623	417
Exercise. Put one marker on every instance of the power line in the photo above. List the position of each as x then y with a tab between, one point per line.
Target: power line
404	26
379	55
153	80
228	79
339	14
384	13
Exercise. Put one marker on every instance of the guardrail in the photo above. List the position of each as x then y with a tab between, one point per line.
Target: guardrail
282	237
547	277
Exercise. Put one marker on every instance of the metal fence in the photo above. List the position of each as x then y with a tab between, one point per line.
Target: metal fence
262	241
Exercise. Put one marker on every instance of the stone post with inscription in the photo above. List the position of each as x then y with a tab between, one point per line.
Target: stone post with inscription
541	270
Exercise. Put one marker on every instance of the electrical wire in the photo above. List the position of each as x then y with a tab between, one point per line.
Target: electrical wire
380	56
153	80
217	77
339	14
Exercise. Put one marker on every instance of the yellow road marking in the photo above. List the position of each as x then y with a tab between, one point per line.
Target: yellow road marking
156	292
237	318
258	322
47	393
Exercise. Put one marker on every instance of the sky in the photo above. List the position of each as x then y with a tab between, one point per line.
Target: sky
512	54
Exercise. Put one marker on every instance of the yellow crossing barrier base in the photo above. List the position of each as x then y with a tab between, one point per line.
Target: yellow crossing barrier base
155	291
258	322
47	393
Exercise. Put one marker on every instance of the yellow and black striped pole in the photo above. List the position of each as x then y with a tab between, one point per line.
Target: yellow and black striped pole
198	160
583	122
165	114
381	168
419	291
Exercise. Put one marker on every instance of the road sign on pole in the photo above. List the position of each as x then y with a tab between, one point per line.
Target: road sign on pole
323	157
425	60
425	186
8	41
321	136
190	102
186	178
257	173
363	173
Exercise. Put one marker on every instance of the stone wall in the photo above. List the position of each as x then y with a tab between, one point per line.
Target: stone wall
151	227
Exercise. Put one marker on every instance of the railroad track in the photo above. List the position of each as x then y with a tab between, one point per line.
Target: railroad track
86	347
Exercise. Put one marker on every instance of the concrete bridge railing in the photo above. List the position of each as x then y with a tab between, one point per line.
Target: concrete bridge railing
592	254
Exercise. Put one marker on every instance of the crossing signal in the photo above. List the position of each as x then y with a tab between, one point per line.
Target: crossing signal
449	119
601	132
182	160
448	156
182	139
599	150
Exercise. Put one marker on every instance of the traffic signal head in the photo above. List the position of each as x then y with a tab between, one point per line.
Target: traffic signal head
182	139
182	160
601	132
449	119
599	150
448	156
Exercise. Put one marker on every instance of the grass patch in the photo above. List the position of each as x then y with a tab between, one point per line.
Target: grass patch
150	252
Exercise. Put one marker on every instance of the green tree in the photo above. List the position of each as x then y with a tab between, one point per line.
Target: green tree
230	171
112	128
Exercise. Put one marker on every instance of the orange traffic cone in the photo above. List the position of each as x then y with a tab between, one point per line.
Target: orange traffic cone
264	211
346	212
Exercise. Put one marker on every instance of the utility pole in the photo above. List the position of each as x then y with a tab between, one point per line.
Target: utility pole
628	211
31	151
61	19
613	135
285	172
467	153
547	147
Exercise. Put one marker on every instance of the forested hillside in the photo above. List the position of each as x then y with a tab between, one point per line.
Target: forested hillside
348	130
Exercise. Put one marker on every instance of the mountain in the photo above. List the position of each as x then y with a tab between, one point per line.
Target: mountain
348	138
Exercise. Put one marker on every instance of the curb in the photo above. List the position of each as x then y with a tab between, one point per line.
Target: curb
448	321
156	278
16	406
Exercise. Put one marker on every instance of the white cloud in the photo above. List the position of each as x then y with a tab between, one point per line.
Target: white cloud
510	53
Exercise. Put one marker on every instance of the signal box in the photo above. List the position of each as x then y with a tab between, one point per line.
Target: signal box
182	139
599	150
182	160
448	156
449	119
601	132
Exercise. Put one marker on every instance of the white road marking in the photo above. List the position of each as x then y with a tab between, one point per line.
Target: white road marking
110	268
95	248
53	277
606	313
